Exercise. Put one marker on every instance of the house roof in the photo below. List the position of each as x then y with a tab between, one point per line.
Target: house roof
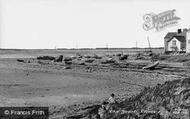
179	38
170	35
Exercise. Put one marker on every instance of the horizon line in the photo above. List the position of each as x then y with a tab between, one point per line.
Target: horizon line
79	48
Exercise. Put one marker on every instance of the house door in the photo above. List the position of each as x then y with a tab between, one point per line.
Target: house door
174	46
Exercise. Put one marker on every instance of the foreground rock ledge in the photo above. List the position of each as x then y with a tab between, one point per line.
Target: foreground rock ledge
170	100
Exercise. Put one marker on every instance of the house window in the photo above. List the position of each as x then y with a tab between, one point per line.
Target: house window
174	42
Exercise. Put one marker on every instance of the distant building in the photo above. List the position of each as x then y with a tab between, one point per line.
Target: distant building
177	41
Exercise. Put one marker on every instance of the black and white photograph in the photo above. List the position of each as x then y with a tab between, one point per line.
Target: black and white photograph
95	59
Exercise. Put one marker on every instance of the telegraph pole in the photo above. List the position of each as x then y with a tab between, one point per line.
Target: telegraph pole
136	47
107	48
106	45
149	43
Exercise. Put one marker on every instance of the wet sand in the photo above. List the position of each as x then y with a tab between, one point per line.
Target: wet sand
33	84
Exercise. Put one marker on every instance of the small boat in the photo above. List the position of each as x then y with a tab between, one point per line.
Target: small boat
151	66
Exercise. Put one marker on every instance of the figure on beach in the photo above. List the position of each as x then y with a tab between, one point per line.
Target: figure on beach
111	99
102	111
107	107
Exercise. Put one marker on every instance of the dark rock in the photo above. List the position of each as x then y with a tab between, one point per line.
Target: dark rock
68	62
123	57
20	60
108	61
59	59
89	60
46	58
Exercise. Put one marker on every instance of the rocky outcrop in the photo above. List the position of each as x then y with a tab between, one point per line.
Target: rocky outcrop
170	100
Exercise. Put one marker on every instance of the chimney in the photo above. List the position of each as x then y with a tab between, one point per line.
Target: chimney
179	31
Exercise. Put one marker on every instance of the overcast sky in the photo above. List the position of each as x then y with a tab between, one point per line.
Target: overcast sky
84	23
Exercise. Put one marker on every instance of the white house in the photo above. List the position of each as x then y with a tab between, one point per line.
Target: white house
176	41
